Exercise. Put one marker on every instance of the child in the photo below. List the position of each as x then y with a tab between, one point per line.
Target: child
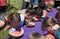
50	25
49	5
15	18
42	12
35	35
57	32
2	23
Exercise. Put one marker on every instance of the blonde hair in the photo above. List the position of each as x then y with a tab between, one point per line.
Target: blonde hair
48	21
36	35
50	3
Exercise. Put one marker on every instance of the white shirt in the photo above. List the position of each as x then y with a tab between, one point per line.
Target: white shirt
27	0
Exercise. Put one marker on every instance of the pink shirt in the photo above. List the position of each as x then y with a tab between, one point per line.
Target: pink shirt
49	36
3	2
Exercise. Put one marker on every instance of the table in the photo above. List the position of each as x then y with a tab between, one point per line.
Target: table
37	26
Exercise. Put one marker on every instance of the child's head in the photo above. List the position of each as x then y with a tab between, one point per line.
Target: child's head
36	35
58	16
13	18
49	24
50	4
30	13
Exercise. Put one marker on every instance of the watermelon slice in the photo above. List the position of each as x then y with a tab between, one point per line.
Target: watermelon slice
17	33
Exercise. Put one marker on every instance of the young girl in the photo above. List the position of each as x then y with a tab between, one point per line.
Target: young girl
16	21
50	25
29	14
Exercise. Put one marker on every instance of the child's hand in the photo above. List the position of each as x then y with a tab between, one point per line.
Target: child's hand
35	18
7	27
44	13
31	24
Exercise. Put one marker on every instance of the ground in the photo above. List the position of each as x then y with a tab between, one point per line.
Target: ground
15	3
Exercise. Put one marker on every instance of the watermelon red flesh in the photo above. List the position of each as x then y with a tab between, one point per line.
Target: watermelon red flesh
17	32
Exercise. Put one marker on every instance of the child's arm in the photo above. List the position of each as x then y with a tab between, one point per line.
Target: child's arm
22	11
7	27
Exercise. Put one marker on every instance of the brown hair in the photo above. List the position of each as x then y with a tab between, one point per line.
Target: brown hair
13	17
48	21
36	35
58	17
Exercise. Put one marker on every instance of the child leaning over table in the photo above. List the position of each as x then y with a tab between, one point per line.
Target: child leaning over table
14	19
50	25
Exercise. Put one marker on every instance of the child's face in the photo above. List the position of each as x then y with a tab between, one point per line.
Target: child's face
28	16
51	29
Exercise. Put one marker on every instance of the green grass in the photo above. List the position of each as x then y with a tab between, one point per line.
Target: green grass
15	3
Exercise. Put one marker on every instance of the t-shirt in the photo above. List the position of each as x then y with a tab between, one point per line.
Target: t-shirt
2	18
27	0
3	2
57	33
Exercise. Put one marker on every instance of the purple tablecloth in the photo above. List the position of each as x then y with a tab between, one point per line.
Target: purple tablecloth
53	13
37	27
